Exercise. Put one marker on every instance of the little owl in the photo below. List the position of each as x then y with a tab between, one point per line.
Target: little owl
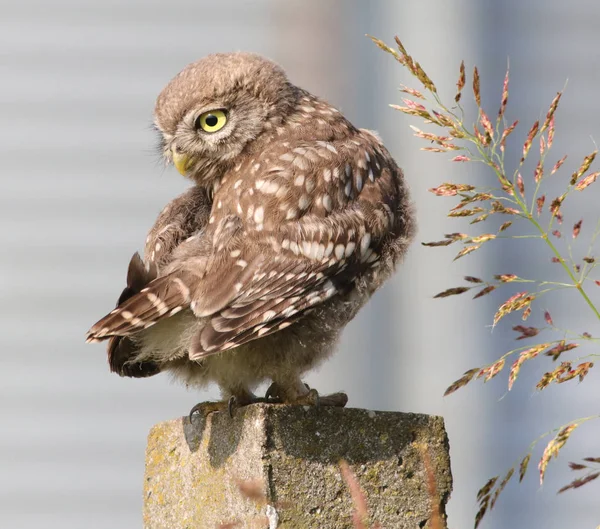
294	219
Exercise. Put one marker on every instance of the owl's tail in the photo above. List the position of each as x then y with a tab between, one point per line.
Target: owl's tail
121	349
161	298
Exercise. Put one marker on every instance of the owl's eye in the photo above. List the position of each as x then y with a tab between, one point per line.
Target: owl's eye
211	121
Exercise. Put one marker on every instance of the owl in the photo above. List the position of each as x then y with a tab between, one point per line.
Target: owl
295	217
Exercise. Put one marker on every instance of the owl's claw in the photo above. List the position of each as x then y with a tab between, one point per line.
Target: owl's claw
204	409
230	405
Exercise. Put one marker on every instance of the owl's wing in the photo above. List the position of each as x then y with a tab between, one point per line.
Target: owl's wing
182	217
250	284
247	289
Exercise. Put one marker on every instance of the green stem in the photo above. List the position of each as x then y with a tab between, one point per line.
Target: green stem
576	283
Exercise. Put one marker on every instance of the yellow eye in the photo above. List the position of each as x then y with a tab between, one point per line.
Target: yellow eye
211	121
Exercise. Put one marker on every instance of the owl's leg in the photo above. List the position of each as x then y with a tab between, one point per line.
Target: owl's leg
296	392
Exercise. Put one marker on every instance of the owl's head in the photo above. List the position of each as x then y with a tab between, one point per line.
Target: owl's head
216	106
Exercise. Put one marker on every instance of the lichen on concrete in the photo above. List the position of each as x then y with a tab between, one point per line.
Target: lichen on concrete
292	454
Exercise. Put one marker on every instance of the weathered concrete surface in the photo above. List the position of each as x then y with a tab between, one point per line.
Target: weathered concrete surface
293	453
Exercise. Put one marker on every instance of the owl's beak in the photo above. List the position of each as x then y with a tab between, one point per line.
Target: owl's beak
181	161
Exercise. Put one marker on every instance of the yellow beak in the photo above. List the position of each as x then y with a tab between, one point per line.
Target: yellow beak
181	161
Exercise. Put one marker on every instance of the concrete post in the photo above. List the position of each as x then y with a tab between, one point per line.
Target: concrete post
274	466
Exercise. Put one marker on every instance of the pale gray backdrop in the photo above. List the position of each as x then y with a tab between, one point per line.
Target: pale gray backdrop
81	183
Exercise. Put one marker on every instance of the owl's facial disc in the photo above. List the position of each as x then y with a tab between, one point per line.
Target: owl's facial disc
200	137
206	124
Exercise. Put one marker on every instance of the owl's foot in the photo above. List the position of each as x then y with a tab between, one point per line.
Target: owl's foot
204	409
310	398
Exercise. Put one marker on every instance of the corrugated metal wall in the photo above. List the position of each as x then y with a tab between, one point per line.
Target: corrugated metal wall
81	183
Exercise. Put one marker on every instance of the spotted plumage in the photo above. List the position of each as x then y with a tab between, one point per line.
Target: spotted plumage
295	219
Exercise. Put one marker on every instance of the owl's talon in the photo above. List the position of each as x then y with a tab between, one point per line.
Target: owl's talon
232	405
204	409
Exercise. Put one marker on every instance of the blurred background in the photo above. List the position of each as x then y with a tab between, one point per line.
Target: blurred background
81	184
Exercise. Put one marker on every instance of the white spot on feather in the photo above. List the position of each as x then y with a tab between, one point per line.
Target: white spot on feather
306	246
348	188
329	249
317	250
185	291
359	182
300	162
289	311
271	188
365	243
303	202
269	315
